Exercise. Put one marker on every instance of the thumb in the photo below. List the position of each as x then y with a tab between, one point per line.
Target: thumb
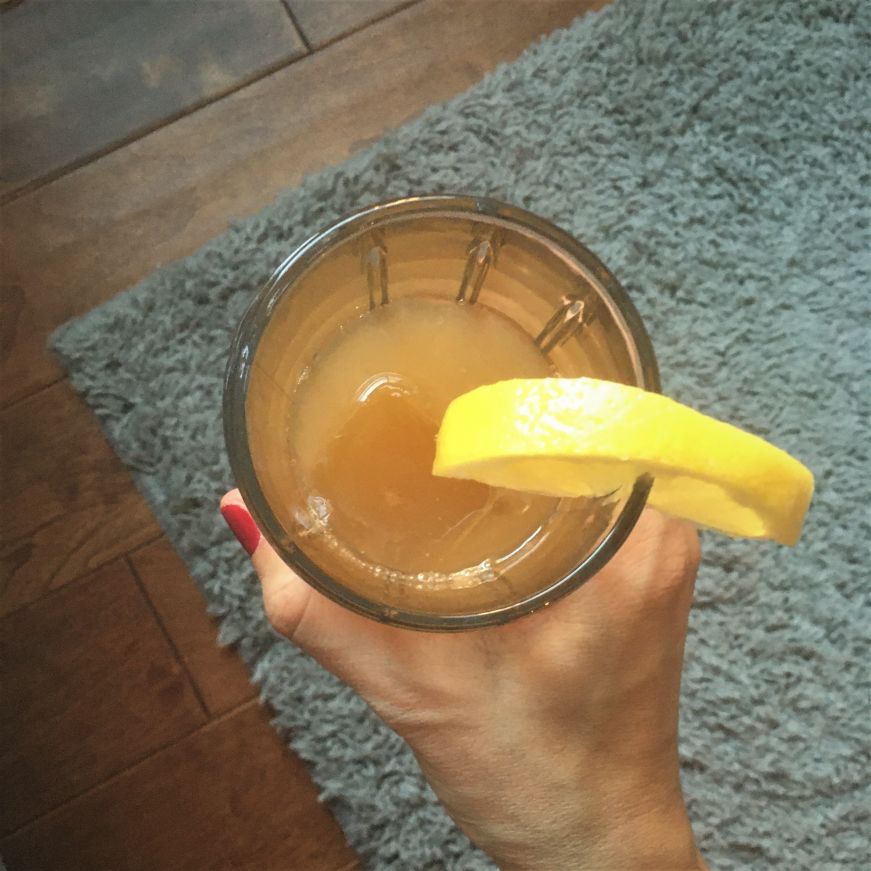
352	647
285	595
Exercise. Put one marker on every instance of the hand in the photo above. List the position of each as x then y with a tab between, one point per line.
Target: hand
552	740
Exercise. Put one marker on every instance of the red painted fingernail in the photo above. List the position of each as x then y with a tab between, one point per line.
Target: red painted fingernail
243	526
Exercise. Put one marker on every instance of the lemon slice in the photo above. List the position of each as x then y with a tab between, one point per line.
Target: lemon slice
584	437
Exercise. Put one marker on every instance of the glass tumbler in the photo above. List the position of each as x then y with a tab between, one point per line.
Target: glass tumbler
472	251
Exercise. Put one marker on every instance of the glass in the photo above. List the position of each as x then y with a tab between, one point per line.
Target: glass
473	252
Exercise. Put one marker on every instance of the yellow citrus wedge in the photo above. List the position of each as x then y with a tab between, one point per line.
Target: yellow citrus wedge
584	437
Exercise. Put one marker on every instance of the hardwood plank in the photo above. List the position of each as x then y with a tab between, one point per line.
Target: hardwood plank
78	77
219	674
75	242
67	504
89	686
229	796
323	21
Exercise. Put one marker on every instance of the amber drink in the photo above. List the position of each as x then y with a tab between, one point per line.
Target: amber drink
342	370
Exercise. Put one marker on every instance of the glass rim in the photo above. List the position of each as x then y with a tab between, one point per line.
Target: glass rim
244	347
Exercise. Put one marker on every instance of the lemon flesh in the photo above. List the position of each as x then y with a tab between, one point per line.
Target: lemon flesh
585	437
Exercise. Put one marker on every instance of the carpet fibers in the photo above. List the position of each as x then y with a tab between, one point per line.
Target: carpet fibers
717	156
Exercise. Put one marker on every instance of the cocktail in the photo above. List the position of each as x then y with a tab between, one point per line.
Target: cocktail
340	374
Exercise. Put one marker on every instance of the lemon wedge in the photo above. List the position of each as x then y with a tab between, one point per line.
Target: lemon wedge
585	437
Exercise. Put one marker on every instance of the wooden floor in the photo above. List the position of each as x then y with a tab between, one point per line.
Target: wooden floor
131	132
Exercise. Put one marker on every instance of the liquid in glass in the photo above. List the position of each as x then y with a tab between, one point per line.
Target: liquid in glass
347	363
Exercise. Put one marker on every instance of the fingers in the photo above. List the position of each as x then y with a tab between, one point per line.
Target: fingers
652	574
285	595
345	643
658	563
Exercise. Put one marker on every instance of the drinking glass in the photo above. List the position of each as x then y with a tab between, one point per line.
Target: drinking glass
472	251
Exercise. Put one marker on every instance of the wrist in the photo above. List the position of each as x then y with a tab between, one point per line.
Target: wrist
654	843
643	829
659	839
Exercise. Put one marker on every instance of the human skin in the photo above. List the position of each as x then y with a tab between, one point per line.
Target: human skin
552	740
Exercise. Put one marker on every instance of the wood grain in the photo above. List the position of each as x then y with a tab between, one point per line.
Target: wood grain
67	504
323	21
219	674
78	77
90	684
89	687
229	796
75	242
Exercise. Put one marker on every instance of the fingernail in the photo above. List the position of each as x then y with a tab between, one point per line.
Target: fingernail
243	526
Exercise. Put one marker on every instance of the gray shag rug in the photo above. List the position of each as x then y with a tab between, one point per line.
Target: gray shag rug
716	155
